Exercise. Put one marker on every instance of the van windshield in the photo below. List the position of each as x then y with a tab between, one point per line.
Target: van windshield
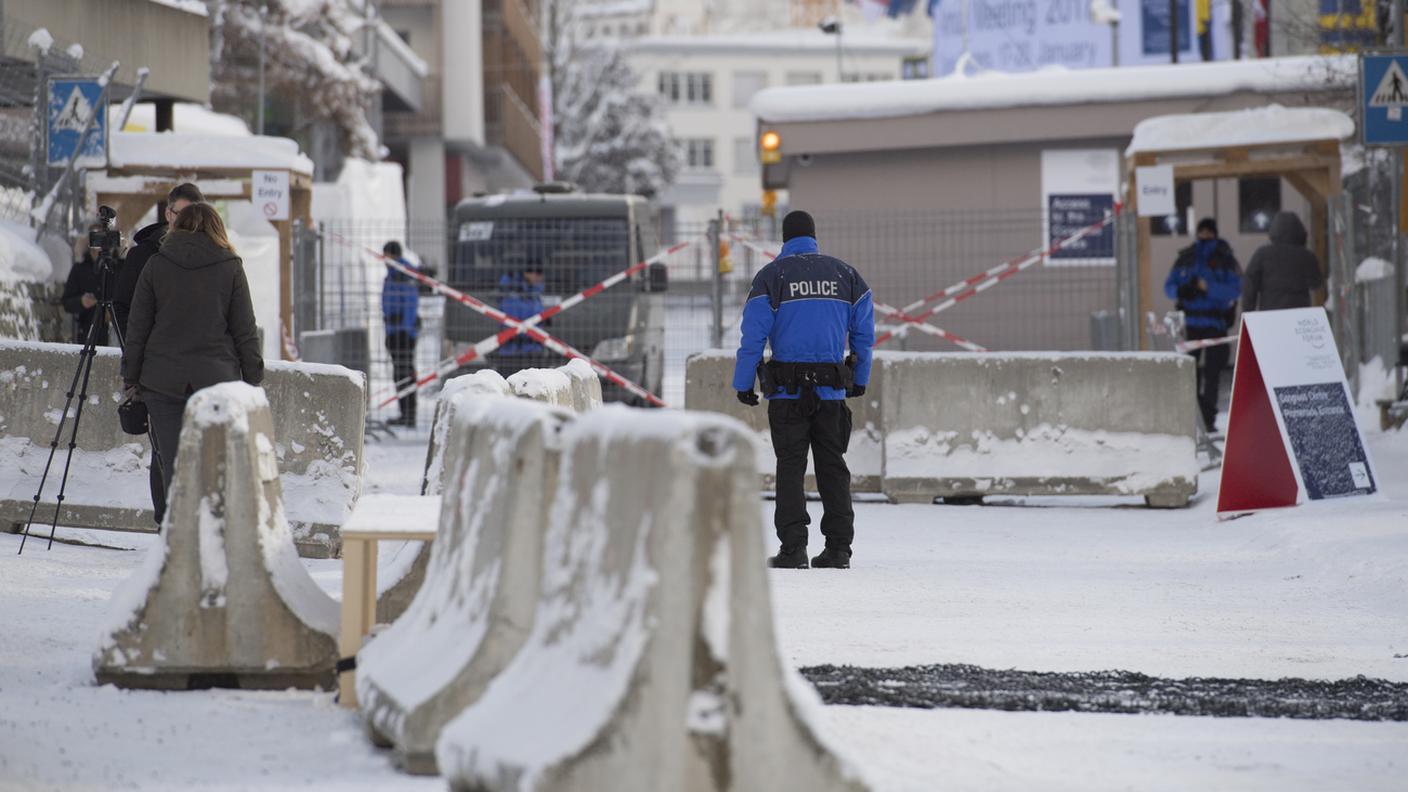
573	253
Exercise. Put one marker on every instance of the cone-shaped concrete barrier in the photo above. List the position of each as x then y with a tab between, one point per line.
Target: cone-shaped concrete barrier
481	587
586	384
223	599
652	663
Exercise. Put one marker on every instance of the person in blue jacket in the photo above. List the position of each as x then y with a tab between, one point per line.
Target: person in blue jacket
400	312
1206	282
521	296
808	308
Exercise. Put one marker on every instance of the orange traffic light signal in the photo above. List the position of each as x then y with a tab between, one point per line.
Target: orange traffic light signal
770	148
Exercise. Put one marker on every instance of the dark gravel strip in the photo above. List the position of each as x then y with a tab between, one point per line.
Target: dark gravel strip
971	687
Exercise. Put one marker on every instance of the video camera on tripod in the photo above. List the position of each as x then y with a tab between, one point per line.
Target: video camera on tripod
106	240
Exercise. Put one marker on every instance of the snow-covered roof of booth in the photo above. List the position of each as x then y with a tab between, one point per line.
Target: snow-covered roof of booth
1251	127
192	151
189	6
992	90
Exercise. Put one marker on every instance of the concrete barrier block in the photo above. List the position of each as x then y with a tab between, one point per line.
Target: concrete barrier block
404	580
545	385
318	415
965	425
223	599
481	586
708	387
586	384
651	662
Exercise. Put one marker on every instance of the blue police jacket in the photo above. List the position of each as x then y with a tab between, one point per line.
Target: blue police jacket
807	307
1212	261
400	302
521	300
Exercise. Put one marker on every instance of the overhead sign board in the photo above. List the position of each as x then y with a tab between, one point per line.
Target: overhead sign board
1291	434
1383	95
71	100
269	192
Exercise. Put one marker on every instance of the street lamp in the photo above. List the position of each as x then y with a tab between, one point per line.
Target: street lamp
831	26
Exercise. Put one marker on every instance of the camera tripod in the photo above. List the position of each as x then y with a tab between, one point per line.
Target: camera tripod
79	387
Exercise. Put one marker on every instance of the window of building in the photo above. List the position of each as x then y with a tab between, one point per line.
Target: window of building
803	78
696	88
745	84
745	156
915	67
1258	200
698	153
1175	224
851	77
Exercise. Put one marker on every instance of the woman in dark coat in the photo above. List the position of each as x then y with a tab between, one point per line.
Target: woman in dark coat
1283	274
191	326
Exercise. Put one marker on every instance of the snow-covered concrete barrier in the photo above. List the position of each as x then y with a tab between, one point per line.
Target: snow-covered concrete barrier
318	414
222	599
1077	423
404	580
586	384
708	387
552	386
651	663
481	585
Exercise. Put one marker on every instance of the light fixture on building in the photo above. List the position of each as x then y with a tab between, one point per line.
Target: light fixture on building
770	148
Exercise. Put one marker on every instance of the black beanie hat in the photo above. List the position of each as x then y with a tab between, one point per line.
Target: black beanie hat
797	224
1208	223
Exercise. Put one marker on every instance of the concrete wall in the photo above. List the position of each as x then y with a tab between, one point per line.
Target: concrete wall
173	44
318	418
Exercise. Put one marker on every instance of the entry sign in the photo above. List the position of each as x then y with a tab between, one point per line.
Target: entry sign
70	101
1383	91
1156	198
269	192
1291	435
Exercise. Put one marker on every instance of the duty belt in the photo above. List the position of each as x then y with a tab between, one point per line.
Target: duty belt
793	378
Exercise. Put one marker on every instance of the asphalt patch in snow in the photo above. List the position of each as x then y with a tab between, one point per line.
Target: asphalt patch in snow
972	687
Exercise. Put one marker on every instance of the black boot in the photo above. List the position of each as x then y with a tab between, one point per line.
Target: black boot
795	559
833	558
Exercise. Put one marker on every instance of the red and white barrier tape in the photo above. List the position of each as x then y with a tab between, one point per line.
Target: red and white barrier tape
995	276
485	346
1203	343
515	326
888	310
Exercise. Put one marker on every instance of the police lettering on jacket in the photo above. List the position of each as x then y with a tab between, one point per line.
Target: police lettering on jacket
809	308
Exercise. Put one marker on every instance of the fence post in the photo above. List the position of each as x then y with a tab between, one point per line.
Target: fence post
716	329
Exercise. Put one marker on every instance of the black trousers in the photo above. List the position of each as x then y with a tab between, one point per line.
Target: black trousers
1211	363
402	346
164	414
827	433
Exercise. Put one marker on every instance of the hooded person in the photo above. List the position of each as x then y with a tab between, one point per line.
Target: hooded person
1205	282
145	243
400	313
191	326
1282	274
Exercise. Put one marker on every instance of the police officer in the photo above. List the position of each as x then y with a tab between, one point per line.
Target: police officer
807	306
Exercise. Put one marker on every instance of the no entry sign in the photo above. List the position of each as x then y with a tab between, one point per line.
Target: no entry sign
1291	434
269	192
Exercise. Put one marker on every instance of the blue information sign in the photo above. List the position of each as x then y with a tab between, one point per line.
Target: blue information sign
1383	95
1069	214
71	100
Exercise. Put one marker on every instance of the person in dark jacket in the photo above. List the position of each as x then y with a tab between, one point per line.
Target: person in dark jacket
1283	274
80	298
808	307
521	296
192	326
1205	282
145	244
400	312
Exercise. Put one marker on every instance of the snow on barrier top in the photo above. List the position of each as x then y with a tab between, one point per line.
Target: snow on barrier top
1053	87
180	150
485	382
481	583
545	385
652	661
223	592
1252	127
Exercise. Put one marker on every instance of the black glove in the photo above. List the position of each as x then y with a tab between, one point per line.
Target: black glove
748	397
1189	291
855	391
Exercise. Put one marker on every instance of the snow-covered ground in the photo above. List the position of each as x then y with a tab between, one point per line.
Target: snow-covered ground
1051	585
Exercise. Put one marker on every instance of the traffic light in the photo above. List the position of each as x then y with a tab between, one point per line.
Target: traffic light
770	148
769	205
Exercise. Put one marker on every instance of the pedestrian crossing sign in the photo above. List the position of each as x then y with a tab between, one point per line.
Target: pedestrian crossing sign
1383	80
